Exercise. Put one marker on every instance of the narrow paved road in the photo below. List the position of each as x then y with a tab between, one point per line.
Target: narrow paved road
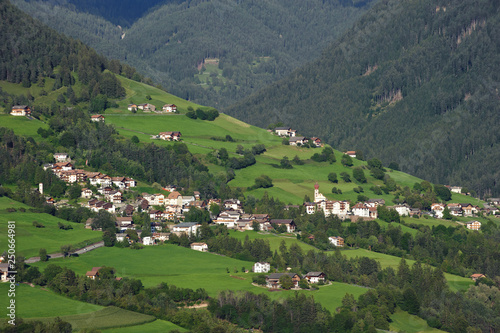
60	255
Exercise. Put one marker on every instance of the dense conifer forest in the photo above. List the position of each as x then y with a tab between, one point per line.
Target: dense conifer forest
250	43
413	82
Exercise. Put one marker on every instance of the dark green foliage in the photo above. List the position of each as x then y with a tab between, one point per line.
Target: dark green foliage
43	255
410	301
359	175
332	176
442	192
134	139
255	44
387	215
191	114
346	160
327	155
262	182
345	177
285	163
336	190
423	65
297	161
197	215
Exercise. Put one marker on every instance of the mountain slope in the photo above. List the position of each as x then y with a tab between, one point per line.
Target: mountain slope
415	82
252	43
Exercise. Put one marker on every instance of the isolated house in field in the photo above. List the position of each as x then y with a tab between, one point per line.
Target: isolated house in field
97	118
475	277
336	241
20	110
169	108
94	273
273	280
132	107
261	267
315	277
351	153
170	136
202	247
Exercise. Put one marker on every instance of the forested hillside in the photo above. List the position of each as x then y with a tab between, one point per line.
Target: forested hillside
413	82
211	52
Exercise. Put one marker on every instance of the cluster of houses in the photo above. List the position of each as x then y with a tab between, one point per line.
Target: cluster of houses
110	189
273	279
147	107
294	139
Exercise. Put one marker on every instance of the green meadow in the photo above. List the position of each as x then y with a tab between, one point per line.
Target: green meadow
455	282
22	125
152	327
405	322
30	239
41	302
186	268
274	239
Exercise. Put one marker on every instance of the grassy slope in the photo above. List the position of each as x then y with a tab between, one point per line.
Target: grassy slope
403	321
190	269
153	327
455	282
30	239
37	302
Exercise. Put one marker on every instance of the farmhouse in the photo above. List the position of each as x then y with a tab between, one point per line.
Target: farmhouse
273	280
97	118
20	110
170	136
298	140
261	267
4	272
315	277
94	273
351	153
336	241
283	131
61	157
288	223
169	108
146	107
316	141
473	225
438	209
474	277
132	107
203	247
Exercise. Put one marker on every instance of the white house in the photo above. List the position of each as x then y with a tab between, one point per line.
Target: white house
61	157
261	267
97	118
4	271
228	218
315	277
473	225
283	131
336	241
147	240
202	247
403	210
20	110
86	193
189	228
169	108
294	141
438	209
